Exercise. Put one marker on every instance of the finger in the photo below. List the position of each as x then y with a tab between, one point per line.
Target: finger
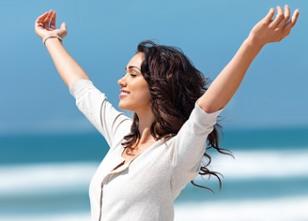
291	23
53	21
45	16
63	29
278	19
268	18
285	20
286	12
46	19
63	26
39	20
40	17
50	19
294	17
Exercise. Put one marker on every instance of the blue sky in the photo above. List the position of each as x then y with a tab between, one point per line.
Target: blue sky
103	36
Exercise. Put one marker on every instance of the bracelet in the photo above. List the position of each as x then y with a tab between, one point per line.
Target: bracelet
51	36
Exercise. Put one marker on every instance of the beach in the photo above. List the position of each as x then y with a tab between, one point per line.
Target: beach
46	177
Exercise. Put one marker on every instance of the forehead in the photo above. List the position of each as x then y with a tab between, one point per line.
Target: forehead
136	60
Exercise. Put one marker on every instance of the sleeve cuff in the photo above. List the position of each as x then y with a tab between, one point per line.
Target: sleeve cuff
204	117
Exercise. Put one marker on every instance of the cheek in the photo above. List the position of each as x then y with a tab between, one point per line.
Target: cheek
136	100
143	96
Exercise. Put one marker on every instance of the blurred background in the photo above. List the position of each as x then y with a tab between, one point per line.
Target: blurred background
49	151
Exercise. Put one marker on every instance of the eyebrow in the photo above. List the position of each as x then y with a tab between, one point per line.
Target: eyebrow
131	66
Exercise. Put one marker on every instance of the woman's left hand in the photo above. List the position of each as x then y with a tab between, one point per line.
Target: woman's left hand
273	30
45	25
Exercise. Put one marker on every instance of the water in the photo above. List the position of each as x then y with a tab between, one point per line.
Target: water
46	177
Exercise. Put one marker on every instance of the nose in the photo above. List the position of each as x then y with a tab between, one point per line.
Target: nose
122	81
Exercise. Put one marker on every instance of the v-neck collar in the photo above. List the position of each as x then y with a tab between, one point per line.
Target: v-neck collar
142	152
127	163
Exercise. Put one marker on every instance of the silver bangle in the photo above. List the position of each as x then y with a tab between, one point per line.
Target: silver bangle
51	36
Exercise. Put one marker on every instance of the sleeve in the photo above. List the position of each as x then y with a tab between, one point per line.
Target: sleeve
94	105
189	146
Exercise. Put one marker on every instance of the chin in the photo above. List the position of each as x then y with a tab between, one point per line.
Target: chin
123	106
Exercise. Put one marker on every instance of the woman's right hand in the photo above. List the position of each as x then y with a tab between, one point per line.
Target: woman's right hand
45	25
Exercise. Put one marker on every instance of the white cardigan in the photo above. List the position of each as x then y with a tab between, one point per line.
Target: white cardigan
145	188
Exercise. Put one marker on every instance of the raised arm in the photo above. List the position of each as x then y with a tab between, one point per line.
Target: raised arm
227	82
67	67
93	103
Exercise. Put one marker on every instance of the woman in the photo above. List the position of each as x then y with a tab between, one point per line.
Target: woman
154	155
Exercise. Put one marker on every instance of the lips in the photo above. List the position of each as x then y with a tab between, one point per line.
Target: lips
123	93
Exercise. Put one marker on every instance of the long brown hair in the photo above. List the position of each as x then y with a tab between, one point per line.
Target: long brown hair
175	85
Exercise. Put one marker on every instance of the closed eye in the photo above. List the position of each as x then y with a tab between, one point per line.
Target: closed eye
132	71
131	74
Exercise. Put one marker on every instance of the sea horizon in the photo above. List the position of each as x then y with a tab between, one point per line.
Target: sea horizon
46	176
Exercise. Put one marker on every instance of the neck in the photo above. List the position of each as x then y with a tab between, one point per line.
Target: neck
146	118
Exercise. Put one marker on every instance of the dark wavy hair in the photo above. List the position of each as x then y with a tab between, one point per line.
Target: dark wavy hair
175	85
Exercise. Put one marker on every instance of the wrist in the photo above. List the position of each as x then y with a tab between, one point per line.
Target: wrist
52	41
253	41
51	37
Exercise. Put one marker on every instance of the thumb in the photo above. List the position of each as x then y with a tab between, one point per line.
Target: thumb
63	26
63	29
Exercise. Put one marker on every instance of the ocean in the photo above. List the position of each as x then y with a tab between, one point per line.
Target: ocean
46	177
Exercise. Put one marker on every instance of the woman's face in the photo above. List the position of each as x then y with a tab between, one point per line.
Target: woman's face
134	90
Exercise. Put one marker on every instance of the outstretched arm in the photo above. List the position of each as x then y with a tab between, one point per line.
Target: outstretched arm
67	67
227	82
93	103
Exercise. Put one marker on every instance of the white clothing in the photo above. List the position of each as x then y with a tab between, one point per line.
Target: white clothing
145	188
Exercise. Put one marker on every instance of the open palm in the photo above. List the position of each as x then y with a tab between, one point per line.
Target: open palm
273	30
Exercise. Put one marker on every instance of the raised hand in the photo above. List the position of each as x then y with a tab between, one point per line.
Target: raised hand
227	82
45	25
271	29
